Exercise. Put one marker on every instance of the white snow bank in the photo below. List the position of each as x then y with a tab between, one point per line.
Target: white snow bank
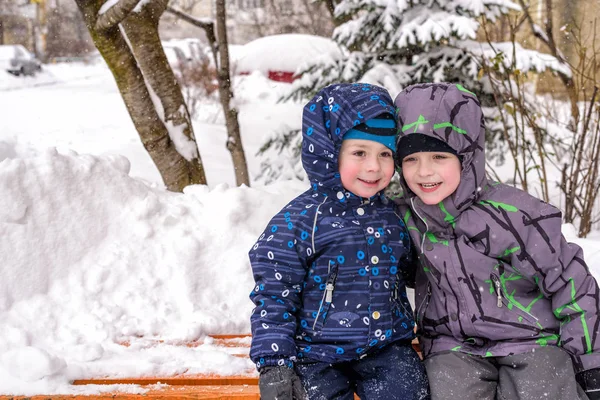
91	257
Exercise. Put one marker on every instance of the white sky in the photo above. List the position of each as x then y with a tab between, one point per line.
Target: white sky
95	252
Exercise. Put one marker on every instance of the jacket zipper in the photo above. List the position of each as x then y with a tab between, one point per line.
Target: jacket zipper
397	303
425	222
498	287
502	299
327	293
425	300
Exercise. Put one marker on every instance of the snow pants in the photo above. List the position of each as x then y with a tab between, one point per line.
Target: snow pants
546	373
392	373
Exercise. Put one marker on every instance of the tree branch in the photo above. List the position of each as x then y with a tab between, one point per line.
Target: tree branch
550	31
331	8
115	15
330	5
206	25
539	33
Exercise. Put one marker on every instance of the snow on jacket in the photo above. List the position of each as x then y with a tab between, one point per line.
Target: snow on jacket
497	277
328	285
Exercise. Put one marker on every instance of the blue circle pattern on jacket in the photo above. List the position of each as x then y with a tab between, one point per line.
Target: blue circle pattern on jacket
328	266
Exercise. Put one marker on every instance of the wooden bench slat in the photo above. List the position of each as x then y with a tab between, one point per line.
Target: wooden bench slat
187	380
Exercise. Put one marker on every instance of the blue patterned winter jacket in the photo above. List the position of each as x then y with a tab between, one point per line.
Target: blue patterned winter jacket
328	266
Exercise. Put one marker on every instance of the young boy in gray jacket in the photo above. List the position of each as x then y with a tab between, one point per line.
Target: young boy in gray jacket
506	307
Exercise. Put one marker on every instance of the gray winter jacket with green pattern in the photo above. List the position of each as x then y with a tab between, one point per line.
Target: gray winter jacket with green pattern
496	276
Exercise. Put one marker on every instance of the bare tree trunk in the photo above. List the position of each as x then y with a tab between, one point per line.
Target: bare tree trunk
220	50
234	140
548	39
164	128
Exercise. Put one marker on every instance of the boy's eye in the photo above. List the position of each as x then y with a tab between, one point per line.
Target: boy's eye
440	156
358	153
386	154
408	159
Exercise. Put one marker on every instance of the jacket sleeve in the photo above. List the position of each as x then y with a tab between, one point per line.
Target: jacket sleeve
278	263
562	275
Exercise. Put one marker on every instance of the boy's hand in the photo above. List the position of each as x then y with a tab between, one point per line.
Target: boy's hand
280	383
590	382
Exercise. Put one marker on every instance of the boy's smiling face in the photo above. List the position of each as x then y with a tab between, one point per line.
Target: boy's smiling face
432	176
366	167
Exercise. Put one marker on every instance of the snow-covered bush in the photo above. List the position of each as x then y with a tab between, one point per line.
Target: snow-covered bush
194	71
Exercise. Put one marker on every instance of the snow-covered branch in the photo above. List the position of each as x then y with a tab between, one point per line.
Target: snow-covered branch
513	55
111	14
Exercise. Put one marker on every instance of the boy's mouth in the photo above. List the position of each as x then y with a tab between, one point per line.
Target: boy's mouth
429	187
369	182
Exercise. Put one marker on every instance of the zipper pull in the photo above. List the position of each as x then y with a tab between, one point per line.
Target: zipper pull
329	293
497	283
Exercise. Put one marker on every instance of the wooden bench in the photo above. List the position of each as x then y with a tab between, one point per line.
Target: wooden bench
201	387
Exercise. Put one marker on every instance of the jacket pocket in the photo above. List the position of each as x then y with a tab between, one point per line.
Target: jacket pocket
326	301
503	300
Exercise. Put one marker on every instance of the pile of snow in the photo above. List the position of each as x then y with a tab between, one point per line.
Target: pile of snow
284	52
91	258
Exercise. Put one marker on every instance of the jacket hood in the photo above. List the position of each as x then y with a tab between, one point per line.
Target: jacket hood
325	120
450	113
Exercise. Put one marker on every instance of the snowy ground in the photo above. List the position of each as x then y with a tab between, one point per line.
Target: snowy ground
94	251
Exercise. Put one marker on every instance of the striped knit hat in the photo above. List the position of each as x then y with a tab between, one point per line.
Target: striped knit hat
381	129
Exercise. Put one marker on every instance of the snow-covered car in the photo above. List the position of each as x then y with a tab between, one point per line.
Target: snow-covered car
278	57
17	60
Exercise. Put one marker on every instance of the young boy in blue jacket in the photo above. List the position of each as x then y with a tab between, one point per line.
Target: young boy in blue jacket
332	317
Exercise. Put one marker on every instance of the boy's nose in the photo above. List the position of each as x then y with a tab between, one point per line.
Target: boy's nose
373	164
425	169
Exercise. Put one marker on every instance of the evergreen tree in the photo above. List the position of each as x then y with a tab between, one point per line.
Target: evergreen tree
396	43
